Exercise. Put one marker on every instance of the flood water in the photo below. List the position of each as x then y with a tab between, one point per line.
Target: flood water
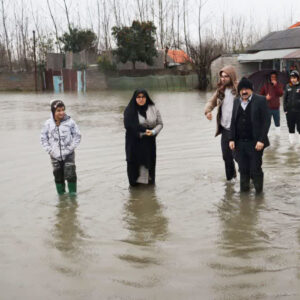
192	236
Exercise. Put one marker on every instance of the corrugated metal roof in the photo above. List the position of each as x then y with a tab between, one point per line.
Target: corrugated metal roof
294	54
284	39
265	55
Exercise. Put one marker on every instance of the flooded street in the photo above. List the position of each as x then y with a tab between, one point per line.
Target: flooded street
192	236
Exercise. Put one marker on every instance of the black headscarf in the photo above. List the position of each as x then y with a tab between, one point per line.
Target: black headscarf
133	108
131	120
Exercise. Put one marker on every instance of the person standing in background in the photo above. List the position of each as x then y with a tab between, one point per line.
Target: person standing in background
273	90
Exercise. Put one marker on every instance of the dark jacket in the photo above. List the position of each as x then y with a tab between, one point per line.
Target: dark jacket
260	119
275	92
291	99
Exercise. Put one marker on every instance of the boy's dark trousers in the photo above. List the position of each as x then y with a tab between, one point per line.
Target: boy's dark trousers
293	120
65	170
250	165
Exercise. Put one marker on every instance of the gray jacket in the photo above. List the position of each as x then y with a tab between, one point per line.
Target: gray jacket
60	141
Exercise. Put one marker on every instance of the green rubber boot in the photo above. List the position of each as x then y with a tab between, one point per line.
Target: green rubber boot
72	186
61	188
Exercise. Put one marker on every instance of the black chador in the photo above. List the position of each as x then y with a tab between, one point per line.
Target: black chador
141	148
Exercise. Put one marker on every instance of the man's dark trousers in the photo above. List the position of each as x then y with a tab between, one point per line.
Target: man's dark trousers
250	164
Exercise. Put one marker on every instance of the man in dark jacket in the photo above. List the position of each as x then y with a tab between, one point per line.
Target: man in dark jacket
273	90
249	134
291	105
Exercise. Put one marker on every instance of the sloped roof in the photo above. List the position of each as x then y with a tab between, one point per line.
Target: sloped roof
284	39
295	25
293	55
265	55
179	56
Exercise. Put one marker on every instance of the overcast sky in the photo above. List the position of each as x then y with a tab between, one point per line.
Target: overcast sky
264	13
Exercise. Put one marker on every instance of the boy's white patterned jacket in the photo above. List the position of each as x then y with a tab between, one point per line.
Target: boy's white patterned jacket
60	141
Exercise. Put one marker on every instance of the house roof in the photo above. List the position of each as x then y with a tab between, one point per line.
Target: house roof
284	39
295	25
179	56
293	55
265	55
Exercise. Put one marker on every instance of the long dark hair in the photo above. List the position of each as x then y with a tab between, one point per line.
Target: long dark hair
221	88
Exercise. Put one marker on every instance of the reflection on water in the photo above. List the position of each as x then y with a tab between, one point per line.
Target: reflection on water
144	219
67	234
239	218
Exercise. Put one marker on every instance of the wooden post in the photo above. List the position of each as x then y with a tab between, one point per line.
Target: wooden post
34	56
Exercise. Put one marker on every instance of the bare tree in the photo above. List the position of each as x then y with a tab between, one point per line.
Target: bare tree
7	42
141	8
116	7
98	24
202	56
161	23
106	25
55	26
185	26
67	15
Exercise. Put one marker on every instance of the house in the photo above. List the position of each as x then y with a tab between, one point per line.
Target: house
73	72
165	58
279	50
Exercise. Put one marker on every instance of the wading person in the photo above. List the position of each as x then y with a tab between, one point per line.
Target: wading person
223	99
249	134
273	90
291	105
143	123
59	137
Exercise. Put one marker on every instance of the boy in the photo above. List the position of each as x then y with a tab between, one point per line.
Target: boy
291	105
59	137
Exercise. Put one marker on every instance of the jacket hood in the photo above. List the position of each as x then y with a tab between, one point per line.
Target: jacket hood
230	71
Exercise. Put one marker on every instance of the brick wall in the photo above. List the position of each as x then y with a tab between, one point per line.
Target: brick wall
244	69
17	81
95	80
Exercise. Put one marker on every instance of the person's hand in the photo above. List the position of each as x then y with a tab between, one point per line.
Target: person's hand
259	146
232	145
274	82
149	132
209	116
268	97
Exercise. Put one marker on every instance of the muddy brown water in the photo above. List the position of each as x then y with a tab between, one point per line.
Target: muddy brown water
192	236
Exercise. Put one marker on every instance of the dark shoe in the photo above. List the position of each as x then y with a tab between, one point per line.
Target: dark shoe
60	188
258	182
244	183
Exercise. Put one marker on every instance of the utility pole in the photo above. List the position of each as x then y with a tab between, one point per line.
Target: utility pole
34	56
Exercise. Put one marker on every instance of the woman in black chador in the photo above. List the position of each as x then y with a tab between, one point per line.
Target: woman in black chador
143	123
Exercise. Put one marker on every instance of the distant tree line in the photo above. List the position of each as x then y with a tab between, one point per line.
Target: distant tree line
115	25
